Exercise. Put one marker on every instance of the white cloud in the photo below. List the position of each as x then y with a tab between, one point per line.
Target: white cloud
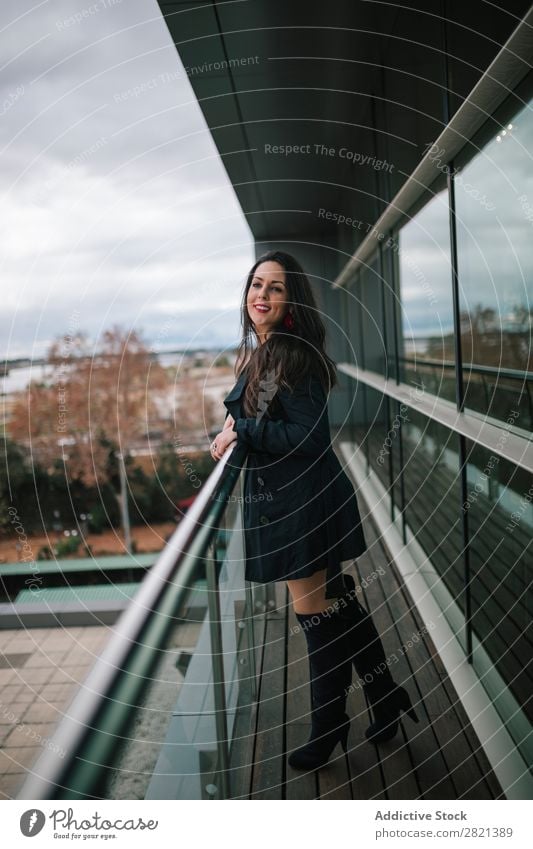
114	198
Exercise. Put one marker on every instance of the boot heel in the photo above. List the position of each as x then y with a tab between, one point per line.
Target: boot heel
407	706
386	715
344	740
412	714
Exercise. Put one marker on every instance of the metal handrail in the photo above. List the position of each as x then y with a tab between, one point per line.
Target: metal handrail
514	374
90	730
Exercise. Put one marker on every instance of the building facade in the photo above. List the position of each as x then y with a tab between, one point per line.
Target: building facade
389	148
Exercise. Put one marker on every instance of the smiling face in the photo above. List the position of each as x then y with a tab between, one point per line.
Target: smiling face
266	301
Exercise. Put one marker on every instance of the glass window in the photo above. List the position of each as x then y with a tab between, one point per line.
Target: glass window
378	435
355	418
426	346
355	352
494	205
390	310
371	294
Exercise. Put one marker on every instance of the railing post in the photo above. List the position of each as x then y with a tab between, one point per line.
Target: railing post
249	605
530	404
249	619
219	692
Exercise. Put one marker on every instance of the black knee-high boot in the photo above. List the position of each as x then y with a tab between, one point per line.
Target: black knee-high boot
330	676
387	699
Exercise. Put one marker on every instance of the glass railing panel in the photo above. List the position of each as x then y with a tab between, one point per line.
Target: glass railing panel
241	636
156	716
151	728
188	753
196	728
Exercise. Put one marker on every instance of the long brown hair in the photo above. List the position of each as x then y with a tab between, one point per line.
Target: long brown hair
287	355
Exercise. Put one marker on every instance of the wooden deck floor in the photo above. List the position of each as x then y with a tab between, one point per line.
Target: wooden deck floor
438	758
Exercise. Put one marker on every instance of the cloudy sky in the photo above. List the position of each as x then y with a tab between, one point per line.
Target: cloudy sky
116	208
115	205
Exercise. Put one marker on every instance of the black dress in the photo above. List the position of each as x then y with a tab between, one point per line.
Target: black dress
300	509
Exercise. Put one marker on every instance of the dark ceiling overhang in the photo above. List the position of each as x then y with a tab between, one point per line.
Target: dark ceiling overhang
275	115
325	109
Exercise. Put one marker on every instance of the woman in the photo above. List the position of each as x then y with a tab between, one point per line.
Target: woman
301	518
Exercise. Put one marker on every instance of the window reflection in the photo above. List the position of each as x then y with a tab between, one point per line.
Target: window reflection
378	435
427	343
370	285
494	205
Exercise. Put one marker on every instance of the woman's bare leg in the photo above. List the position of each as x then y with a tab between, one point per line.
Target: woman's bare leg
308	594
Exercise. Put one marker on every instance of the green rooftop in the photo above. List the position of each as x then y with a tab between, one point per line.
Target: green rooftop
81	564
98	592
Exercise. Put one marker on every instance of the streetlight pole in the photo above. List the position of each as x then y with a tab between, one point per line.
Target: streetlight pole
124	502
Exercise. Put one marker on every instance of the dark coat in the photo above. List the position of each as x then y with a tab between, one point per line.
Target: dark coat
300	508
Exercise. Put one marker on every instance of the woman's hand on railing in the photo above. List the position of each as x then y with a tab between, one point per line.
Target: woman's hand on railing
230	421
223	440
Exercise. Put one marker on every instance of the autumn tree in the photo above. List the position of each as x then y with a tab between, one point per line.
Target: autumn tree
92	404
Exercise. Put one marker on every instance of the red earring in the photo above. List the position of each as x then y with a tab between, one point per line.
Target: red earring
288	321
